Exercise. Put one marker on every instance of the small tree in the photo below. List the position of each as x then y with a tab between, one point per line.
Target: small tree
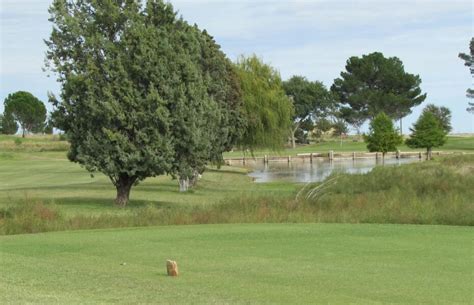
443	115
8	124
27	110
310	101
427	133
382	136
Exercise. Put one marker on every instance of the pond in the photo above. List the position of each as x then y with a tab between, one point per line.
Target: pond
318	170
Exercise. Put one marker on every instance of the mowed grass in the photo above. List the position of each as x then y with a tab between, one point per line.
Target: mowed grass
242	264
51	178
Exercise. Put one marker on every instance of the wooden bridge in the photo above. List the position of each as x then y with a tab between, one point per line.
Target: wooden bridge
332	155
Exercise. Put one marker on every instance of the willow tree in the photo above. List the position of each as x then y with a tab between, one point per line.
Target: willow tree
133	95
267	110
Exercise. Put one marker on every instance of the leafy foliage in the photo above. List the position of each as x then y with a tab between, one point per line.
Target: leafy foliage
339	127
372	84
311	100
427	133
382	136
136	99
25	109
267	110
443	114
469	62
8	124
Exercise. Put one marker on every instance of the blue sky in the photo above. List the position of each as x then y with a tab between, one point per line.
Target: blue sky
313	38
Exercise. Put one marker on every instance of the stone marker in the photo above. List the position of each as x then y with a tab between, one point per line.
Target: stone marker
172	268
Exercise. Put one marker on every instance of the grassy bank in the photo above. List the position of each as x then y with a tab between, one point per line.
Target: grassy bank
454	144
436	192
40	143
241	264
32	143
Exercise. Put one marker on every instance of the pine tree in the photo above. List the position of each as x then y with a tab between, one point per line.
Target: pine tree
372	84
427	133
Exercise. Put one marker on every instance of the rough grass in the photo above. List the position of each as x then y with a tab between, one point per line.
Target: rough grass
437	192
32	143
241	264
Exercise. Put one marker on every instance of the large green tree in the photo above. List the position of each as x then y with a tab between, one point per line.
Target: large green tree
427	132
267	110
134	102
469	62
27	110
311	100
443	114
372	84
382	136
8	124
220	126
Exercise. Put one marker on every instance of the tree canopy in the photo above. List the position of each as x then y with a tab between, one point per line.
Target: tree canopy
469	62
382	136
427	133
267	110
24	108
137	98
8	124
372	84
443	114
311	100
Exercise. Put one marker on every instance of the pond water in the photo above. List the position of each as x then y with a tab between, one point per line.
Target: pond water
318	170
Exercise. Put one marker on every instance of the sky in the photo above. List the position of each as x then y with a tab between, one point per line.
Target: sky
312	38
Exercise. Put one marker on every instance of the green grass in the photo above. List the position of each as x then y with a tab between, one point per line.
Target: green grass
455	144
35	143
50	177
32	143
44	192
241	264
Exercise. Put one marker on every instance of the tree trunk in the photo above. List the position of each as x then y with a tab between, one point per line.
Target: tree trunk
401	127
183	184
428	153
123	186
194	179
292	136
